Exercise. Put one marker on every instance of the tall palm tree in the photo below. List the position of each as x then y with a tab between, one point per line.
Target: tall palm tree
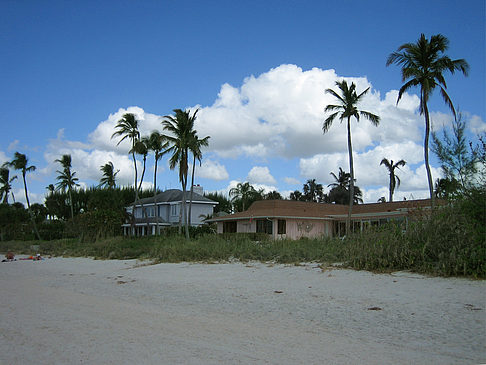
109	175
158	144
423	65
394	179
67	179
341	180
348	107
20	162
141	148
195	148
127	128
181	133
6	182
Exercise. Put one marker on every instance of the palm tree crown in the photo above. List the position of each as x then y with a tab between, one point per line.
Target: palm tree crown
394	179
423	64
109	175
6	182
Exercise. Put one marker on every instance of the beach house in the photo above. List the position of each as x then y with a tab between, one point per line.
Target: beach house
295	219
164	210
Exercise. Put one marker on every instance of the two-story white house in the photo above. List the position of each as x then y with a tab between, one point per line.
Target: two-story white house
164	210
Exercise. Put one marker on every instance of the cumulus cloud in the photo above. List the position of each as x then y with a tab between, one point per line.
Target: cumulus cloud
280	113
261	175
292	181
212	170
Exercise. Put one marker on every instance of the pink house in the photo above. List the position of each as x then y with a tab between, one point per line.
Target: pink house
294	219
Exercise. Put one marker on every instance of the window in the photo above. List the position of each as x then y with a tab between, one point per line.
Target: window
264	226
282	226
229	227
173	209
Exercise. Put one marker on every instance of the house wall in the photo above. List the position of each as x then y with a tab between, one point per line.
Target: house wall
298	228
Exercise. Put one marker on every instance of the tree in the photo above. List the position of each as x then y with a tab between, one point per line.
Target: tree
313	191
394	179
195	148
6	182
423	65
127	128
339	193
157	143
224	204
458	162
181	129
446	188
297	195
67	179
273	195
20	162
244	194
109	175
348	107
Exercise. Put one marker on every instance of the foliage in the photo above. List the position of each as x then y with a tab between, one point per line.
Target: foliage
243	195
224	204
458	161
339	193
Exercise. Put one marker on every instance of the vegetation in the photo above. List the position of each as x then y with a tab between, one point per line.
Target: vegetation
348	100
423	65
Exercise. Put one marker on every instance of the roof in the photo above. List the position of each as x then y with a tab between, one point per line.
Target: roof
309	210
175	195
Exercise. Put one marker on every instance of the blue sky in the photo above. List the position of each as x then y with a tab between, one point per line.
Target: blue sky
256	69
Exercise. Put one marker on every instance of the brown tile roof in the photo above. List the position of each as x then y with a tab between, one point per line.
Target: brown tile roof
297	209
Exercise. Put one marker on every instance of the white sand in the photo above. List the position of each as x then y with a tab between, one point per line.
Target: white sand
83	311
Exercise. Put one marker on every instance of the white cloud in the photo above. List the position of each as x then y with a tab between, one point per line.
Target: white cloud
212	170
12	146
477	125
281	112
261	175
292	181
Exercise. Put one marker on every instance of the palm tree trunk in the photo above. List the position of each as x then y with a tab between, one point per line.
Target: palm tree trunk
155	198
426	154
132	223
390	199
351	183
28	206
184	215
192	190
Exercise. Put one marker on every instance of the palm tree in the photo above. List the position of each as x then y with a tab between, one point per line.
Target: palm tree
20	162
339	192
67	179
127	127
157	143
394	179
195	148
109	175
348	107
243	192
6	182
181	129
423	65
313	191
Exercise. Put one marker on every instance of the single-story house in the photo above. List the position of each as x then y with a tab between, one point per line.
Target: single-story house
164	210
294	219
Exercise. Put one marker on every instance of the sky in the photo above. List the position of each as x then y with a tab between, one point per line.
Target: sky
256	70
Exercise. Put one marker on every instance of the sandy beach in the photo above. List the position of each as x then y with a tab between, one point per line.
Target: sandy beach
84	311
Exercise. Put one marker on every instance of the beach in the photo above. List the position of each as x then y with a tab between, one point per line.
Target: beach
85	311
